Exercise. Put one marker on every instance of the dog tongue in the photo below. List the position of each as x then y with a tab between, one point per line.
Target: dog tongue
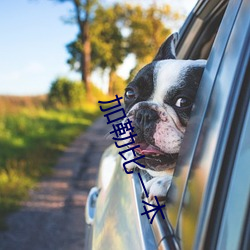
146	149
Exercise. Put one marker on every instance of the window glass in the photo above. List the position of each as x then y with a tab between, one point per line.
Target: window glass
236	206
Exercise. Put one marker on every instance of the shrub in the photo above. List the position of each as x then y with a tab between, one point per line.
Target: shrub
97	94
119	85
65	92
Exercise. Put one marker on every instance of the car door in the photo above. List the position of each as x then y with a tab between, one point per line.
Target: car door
210	165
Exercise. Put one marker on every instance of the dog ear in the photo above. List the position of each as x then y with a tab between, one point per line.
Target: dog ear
167	49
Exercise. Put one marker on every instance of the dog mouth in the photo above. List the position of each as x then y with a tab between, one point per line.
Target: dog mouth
154	158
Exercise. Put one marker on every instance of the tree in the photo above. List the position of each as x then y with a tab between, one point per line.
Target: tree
119	30
83	15
148	31
108	48
108	45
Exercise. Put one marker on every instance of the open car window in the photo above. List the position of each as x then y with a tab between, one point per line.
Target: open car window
196	41
198	33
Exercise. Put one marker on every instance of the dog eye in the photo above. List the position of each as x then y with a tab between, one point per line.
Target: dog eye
130	94
183	102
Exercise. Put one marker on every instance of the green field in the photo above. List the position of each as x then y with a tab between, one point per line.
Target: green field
32	136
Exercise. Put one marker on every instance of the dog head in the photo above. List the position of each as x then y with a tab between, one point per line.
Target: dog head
158	101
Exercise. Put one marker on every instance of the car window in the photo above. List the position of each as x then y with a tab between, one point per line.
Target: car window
193	129
202	20
198	34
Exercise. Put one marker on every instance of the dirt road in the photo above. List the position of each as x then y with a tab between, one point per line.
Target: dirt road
53	218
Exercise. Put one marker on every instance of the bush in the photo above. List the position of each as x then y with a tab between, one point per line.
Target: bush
22	159
65	92
119	85
97	94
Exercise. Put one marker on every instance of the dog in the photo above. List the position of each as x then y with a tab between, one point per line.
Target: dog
158	101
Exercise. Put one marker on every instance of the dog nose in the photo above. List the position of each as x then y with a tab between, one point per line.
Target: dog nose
145	118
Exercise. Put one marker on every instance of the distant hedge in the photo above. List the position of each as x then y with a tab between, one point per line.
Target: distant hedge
65	92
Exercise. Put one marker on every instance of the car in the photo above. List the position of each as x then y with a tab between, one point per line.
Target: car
208	201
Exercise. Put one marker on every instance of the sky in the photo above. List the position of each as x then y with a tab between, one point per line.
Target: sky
32	44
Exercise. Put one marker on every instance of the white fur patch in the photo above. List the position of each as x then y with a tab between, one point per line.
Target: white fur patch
169	73
168	138
158	186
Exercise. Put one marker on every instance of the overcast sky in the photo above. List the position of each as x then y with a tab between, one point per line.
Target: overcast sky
32	44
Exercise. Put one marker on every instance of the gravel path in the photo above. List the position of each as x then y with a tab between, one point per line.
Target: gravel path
53	218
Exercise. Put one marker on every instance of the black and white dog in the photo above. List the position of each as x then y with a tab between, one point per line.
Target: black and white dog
158	101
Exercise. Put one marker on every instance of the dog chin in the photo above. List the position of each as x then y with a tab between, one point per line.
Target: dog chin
155	159
159	163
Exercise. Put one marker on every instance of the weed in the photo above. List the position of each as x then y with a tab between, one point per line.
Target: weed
31	139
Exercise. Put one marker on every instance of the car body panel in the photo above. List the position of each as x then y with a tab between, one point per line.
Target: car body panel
117	223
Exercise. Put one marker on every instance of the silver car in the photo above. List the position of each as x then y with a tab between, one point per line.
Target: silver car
208	202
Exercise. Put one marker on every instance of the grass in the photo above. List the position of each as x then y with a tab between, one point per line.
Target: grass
31	139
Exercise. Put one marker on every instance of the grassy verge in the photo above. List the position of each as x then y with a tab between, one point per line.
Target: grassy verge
31	139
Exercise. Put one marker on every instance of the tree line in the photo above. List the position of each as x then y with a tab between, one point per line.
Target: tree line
107	34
